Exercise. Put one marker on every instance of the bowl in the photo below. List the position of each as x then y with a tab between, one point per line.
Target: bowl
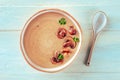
37	41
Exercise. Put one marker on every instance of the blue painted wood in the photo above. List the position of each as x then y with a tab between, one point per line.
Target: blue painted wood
16	17
57	2
105	60
65	76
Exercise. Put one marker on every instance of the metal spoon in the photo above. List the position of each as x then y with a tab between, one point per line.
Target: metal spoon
99	22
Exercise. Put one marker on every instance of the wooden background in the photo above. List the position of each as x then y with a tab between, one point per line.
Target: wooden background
105	63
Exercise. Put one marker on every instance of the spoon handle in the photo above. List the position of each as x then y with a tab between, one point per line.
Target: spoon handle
91	50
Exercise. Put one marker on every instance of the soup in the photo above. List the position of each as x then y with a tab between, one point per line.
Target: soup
50	40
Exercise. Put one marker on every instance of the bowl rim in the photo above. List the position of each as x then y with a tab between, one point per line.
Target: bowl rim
50	70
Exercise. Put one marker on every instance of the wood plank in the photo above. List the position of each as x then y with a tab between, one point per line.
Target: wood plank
105	56
15	17
62	2
64	76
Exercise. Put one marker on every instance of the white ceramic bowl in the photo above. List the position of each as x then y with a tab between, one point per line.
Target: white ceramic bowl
22	37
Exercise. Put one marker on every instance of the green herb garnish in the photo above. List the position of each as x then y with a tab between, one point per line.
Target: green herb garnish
76	39
60	56
62	21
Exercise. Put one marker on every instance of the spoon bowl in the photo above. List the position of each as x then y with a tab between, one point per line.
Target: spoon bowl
99	22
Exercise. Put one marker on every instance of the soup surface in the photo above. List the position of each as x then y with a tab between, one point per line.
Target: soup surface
50	40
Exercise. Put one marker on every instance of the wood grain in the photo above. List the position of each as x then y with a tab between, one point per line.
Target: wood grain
16	17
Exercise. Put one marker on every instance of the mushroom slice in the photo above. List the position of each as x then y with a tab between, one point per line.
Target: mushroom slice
72	30
69	42
57	58
61	33
66	51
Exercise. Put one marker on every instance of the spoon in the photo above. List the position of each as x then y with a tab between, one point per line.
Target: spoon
99	22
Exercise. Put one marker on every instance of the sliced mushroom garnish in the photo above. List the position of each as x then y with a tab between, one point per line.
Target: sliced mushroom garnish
72	30
57	58
69	42
66	51
54	60
61	33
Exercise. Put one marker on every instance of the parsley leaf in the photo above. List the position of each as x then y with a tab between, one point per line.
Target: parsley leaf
76	39
62	21
60	56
